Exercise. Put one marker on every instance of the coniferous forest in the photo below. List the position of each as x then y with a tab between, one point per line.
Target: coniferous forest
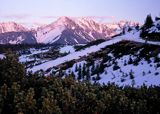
28	93
79	57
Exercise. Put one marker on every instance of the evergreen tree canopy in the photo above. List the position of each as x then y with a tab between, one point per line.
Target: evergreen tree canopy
10	69
148	22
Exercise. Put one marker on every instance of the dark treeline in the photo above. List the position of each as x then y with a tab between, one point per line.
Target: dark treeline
19	47
28	93
96	42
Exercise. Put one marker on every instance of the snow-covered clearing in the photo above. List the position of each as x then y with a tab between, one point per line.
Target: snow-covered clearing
148	75
142	75
75	55
25	58
67	49
2	56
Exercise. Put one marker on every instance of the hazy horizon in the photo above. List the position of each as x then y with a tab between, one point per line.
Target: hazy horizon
47	11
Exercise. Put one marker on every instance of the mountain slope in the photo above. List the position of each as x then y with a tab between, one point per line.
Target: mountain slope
13	33
17	38
64	31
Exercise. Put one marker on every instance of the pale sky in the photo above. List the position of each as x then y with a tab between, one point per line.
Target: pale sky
46	11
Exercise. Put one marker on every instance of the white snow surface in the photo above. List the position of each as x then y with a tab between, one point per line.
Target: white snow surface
17	41
75	55
49	35
155	28
26	58
142	75
67	49
139	78
2	56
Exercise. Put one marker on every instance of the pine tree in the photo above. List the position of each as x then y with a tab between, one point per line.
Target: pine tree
79	73
61	73
84	70
96	71
30	102
116	67
19	102
130	61
49	105
92	68
73	75
148	22
137	27
98	77
131	74
1	103
88	76
76	68
15	87
4	90
101	67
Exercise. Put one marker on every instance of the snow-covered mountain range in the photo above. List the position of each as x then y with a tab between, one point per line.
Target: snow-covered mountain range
24	37
63	31
77	31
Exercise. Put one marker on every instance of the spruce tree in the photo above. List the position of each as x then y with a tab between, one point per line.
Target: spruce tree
148	22
79	72
131	74
76	68
98	77
88	76
93	69
49	105
84	70
30	102
101	67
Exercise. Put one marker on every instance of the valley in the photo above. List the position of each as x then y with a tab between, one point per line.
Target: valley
119	60
79	66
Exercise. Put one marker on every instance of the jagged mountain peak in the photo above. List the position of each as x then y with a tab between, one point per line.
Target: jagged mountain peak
63	19
86	19
9	23
11	27
88	22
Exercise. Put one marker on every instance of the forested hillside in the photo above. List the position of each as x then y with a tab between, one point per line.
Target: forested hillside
22	93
